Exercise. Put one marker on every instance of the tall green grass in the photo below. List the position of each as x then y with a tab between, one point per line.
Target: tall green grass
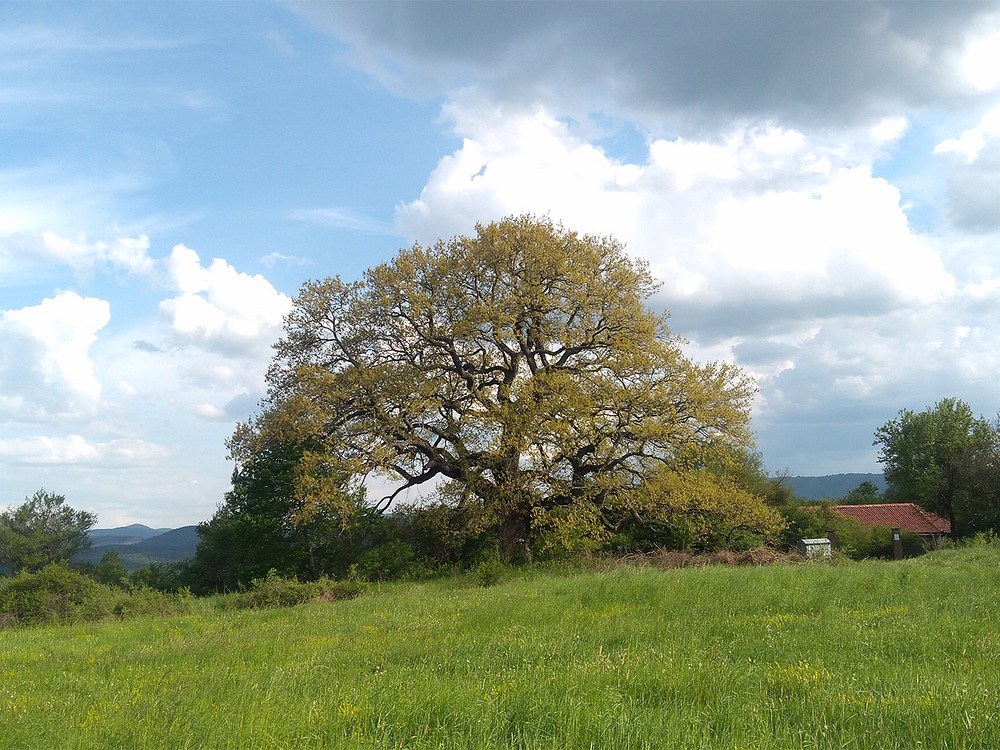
867	655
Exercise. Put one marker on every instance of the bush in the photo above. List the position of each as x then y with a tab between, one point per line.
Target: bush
110	570
489	571
986	538
448	532
881	545
60	595
277	591
167	577
390	561
669	559
141	600
53	594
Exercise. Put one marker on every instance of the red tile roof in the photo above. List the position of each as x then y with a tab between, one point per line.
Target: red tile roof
904	516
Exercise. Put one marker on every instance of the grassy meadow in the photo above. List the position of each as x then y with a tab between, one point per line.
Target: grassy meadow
858	655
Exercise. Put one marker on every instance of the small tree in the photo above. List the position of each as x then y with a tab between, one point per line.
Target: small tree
42	530
110	570
865	493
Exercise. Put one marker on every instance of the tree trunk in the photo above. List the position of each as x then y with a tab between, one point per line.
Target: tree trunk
515	537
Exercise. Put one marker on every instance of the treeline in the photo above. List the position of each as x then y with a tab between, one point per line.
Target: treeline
40	584
251	550
250	535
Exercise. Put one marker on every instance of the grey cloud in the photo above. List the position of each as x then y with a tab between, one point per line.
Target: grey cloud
146	346
857	373
973	195
803	62
242	405
710	320
973	204
827	445
808	421
763	352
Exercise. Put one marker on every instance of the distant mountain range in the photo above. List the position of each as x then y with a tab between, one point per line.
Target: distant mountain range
832	486
139	546
124	534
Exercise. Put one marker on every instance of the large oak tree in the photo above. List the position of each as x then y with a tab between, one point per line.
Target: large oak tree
519	366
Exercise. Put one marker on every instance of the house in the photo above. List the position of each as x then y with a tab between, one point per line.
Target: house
908	517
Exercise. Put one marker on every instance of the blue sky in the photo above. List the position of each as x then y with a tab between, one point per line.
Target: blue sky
815	184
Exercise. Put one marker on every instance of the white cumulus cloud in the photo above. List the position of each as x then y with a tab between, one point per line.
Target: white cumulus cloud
30	254
762	228
45	365
981	60
128	253
220	308
971	142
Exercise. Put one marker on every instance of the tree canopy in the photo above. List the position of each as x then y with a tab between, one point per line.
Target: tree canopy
42	530
254	531
945	459
520	367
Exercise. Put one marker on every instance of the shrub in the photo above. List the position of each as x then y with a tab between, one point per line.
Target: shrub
60	595
53	594
141	600
388	561
167	577
277	591
986	538
668	559
881	544
449	531
110	570
487	572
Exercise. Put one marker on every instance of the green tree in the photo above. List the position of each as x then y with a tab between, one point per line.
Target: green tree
520	363
42	530
167	577
927	457
980	471
261	525
865	493
110	570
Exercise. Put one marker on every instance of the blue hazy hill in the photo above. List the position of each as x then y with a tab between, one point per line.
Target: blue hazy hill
832	486
130	534
139	546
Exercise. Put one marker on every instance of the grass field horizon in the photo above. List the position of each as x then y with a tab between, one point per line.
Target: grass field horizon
858	655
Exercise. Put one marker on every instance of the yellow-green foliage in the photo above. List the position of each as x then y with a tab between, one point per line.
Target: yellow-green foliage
711	511
569	528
